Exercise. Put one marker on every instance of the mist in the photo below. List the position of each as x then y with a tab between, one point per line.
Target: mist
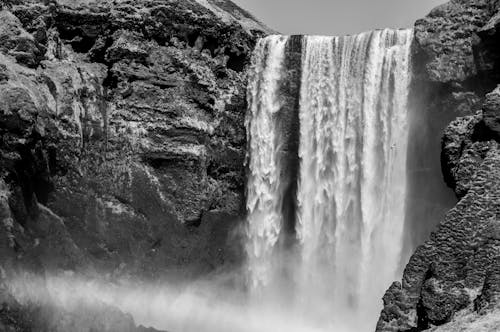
210	305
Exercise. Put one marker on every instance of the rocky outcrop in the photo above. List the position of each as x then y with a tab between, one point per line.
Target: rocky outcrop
491	114
122	129
452	279
122	139
449	81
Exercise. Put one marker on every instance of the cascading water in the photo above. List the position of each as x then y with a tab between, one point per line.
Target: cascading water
265	194
352	178
353	160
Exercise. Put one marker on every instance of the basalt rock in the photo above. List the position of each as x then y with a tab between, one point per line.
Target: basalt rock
451	281
449	273
122	143
491	113
16	42
448	37
122	134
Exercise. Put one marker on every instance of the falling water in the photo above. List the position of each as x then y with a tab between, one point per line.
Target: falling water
353	160
265	194
352	179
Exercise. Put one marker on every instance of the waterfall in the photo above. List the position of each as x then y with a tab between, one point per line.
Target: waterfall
352	179
264	190
353	115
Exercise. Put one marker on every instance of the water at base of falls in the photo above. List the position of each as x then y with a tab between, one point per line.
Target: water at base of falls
351	183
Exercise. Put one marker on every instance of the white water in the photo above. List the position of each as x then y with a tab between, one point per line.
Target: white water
351	195
353	161
264	195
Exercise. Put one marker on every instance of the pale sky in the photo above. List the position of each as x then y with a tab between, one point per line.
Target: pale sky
337	17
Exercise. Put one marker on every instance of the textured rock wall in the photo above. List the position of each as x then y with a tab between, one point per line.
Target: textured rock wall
453	277
122	131
122	138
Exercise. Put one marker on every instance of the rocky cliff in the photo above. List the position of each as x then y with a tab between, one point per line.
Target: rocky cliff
122	139
122	147
453	279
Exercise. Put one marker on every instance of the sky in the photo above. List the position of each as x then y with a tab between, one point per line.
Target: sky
337	17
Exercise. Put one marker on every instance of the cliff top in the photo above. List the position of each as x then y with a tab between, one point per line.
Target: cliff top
225	10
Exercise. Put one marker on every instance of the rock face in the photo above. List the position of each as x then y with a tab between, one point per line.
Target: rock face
122	138
122	147
452	279
122	128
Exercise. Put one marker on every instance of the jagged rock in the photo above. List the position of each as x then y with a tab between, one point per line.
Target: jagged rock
16	42
470	322
491	112
127	45
463	151
446	38
437	96
446	274
451	279
122	142
458	131
122	131
18	110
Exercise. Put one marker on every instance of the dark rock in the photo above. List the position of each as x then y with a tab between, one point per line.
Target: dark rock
4	76
446	38
127	45
491	112
122	139
16	42
463	151
454	272
451	75
444	273
18	110
137	130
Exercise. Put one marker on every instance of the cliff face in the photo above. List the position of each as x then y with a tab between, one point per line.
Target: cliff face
122	135
122	131
452	280
123	144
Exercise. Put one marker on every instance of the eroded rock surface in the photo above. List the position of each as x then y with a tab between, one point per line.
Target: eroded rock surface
123	123
122	139
451	280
